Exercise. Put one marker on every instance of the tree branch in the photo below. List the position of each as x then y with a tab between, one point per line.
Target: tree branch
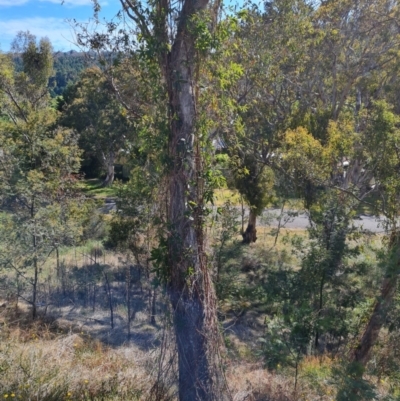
137	17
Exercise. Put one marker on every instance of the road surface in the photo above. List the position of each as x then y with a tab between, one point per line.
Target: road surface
271	217
290	219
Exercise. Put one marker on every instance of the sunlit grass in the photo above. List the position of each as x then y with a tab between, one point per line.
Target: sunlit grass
223	195
93	187
79	255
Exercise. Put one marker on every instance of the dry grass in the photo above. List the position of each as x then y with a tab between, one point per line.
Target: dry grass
42	361
49	361
46	361
315	382
258	384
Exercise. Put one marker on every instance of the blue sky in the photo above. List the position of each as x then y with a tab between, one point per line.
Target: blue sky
48	18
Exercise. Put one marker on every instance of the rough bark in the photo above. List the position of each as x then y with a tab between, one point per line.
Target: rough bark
196	376
190	287
361	354
368	340
250	235
191	290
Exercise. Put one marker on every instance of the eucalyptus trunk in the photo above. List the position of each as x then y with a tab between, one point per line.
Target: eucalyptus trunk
361	354
109	164
190	286
191	289
250	235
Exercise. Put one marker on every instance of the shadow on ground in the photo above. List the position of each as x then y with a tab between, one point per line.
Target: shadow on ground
78	300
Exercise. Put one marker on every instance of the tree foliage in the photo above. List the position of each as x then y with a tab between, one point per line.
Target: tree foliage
38	163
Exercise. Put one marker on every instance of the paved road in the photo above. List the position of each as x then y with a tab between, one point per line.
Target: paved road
270	217
290	219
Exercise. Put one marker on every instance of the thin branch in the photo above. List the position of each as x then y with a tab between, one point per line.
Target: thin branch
120	99
26	300
9	93
138	17
19	272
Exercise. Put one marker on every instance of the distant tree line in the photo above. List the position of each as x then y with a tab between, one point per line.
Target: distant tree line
67	67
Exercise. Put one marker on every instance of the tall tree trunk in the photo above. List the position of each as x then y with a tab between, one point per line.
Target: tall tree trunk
128	298
58	262
320	306
34	286
153	307
110	300
361	353
35	263
191	289
109	161
250	235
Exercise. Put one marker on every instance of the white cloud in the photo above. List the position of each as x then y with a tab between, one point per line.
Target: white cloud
57	30
70	2
12	2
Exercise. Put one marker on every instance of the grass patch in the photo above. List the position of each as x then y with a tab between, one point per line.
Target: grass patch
315	372
93	187
223	195
41	361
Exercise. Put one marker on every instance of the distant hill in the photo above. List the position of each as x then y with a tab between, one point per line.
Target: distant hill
67	67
